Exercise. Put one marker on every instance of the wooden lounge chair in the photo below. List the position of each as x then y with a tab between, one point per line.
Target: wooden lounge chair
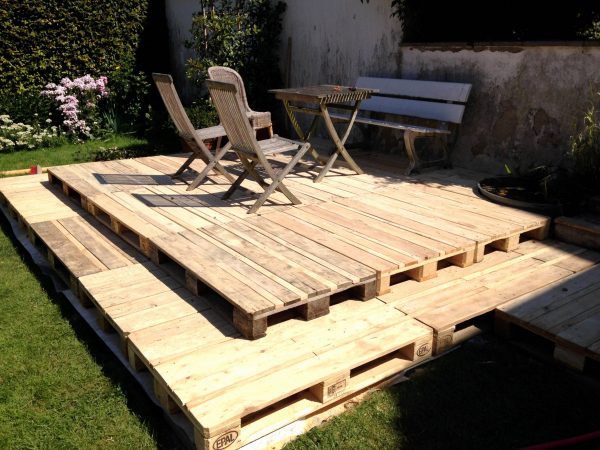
258	120
194	138
251	152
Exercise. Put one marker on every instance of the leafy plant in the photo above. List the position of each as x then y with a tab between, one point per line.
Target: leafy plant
585	147
243	35
20	136
46	40
202	113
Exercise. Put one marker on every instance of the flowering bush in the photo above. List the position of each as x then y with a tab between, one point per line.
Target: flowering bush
78	102
19	136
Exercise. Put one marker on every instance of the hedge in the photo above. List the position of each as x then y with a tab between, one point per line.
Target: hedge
46	40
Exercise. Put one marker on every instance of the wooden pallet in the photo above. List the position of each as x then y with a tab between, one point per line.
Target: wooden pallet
455	303
298	369
77	246
30	199
565	313
352	233
304	368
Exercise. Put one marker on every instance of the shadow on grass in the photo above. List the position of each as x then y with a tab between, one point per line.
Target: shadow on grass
484	395
491	395
137	400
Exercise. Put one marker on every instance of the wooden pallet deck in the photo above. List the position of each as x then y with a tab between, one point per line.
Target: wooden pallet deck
351	232
235	391
567	314
248	388
456	304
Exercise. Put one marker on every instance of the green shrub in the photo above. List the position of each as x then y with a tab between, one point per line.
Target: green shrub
476	21
44	41
20	136
243	35
202	114
585	148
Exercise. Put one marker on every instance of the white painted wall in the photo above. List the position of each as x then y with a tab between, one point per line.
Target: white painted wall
525	101
334	41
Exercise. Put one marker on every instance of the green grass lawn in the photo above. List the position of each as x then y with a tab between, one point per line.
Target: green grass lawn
485	395
58	387
71	153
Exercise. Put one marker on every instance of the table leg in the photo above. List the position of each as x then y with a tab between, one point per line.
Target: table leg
301	134
339	143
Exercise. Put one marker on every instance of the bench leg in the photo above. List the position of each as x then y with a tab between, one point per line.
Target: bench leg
413	159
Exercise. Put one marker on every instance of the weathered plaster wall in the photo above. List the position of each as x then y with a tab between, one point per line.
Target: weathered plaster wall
525	100
335	41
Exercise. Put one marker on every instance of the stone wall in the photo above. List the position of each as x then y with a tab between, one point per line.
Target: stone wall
525	102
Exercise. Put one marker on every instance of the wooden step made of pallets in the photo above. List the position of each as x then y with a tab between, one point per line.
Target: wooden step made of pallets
163	326
30	199
456	303
353	234
233	387
565	313
302	366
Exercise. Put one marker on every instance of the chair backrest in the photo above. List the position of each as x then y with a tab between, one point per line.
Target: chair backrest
442	101
166	88
227	75
233	117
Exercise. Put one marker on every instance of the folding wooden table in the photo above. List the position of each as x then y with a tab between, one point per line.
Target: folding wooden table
325	97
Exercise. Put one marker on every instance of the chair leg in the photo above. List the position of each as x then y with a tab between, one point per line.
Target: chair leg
185	165
210	166
248	168
277	181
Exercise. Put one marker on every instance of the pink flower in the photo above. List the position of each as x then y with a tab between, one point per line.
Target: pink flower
70	94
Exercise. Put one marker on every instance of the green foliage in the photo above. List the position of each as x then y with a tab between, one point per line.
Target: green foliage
20	136
46	40
202	114
243	35
593	32
585	147
475	21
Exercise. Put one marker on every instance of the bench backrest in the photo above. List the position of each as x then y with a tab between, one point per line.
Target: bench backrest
436	100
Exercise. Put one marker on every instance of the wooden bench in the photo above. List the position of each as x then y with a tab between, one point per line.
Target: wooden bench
436	108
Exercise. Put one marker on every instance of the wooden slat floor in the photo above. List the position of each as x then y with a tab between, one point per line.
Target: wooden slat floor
450	302
351	232
565	313
235	390
197	357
